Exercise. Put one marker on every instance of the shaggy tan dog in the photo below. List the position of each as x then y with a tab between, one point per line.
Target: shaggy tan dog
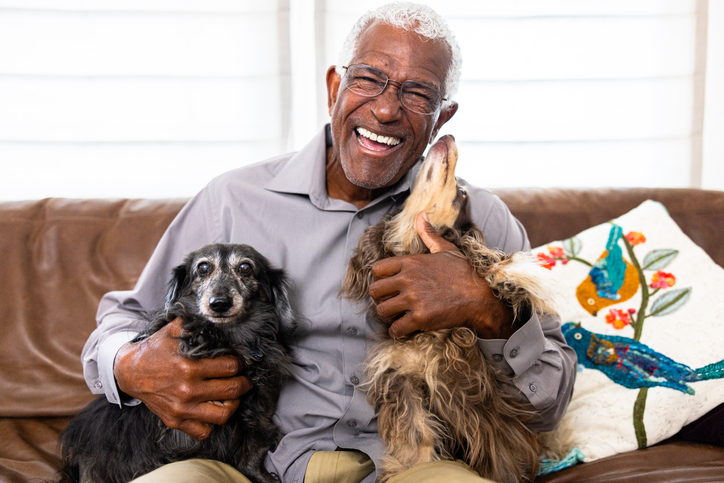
436	396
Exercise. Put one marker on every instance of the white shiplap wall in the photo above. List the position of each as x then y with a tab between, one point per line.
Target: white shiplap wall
152	98
138	98
569	93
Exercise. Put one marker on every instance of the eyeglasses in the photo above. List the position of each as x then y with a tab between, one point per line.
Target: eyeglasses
370	82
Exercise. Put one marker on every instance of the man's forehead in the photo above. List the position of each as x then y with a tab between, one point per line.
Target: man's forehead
390	48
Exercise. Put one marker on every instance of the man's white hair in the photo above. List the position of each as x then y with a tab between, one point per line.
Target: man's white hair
410	17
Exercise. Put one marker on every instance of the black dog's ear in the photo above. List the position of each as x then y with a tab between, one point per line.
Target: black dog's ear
180	281
281	298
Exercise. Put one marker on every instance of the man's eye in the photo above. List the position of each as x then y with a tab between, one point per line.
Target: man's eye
244	268
423	95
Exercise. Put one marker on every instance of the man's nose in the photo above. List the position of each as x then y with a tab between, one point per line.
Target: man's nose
387	107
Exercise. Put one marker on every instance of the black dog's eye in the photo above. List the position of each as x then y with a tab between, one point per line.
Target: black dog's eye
244	268
203	268
463	193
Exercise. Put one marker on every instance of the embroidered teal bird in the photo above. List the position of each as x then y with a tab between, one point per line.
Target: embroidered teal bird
611	279
607	273
633	364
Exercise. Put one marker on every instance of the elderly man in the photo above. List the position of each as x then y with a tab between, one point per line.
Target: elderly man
305	212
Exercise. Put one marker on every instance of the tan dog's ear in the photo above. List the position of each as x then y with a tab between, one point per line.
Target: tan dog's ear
333	82
446	113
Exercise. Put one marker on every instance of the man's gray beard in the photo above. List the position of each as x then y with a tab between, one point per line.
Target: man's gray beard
376	184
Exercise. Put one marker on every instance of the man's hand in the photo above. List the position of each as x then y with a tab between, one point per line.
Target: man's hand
436	291
189	395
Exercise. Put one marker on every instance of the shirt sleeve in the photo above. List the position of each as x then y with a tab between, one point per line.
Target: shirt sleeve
540	365
121	314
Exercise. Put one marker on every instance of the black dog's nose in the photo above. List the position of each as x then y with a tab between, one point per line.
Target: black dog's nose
220	304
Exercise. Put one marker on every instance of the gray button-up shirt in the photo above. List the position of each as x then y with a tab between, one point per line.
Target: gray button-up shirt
281	208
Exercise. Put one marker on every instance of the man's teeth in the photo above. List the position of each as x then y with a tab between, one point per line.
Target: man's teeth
389	140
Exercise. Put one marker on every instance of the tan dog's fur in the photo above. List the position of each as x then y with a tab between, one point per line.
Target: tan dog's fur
436	396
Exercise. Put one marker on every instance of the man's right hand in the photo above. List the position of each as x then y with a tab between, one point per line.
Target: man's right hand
189	395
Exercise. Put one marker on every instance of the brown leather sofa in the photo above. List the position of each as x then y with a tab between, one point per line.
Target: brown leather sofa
59	256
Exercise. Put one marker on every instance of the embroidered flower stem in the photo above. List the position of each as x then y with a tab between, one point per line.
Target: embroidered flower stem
638	324
638	417
581	260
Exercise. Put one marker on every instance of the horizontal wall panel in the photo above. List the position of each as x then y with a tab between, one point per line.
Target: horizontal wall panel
147	5
530	8
576	48
139	44
573	110
541	48
658	163
98	109
145	170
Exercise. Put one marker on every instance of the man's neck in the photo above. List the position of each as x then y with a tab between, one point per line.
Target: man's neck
340	188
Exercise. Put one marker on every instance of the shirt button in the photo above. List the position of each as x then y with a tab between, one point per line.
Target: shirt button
360	215
514	353
497	357
352	423
98	385
533	388
352	331
354	380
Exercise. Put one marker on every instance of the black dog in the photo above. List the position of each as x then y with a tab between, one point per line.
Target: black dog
232	301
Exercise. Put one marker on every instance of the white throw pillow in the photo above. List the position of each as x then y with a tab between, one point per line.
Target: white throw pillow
683	322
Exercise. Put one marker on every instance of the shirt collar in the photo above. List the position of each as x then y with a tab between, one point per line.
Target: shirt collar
305	174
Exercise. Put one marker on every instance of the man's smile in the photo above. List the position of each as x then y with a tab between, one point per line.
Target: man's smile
376	142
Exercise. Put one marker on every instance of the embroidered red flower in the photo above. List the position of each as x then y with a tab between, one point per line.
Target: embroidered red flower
618	318
662	280
556	252
545	261
635	238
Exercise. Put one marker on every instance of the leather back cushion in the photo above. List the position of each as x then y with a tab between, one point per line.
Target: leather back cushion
60	256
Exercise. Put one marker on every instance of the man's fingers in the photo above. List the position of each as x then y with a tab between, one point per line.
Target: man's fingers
173	328
384	288
402	327
217	412
195	429
224	389
387	267
225	366
430	237
391	308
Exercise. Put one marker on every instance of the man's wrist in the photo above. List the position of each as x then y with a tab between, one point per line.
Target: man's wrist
107	353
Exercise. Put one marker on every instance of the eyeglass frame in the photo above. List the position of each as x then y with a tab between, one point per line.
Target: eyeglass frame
399	89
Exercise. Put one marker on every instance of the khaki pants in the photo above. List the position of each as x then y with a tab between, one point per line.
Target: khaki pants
324	467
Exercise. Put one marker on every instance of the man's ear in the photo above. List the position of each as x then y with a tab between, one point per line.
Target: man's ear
333	81
446	113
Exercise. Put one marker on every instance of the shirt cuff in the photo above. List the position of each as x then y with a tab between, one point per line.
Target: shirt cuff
107	351
515	355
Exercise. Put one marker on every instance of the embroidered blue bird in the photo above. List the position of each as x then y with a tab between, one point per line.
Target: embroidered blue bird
607	273
633	364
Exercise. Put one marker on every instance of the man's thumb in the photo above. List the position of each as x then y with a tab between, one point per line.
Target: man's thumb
430	237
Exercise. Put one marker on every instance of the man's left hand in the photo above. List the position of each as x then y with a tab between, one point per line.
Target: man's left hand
436	291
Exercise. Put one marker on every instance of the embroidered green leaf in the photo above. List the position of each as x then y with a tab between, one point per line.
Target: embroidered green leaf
670	302
658	259
572	246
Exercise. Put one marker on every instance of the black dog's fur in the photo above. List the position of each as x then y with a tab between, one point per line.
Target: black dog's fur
106	443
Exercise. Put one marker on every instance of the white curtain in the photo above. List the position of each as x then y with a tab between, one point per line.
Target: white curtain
153	98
